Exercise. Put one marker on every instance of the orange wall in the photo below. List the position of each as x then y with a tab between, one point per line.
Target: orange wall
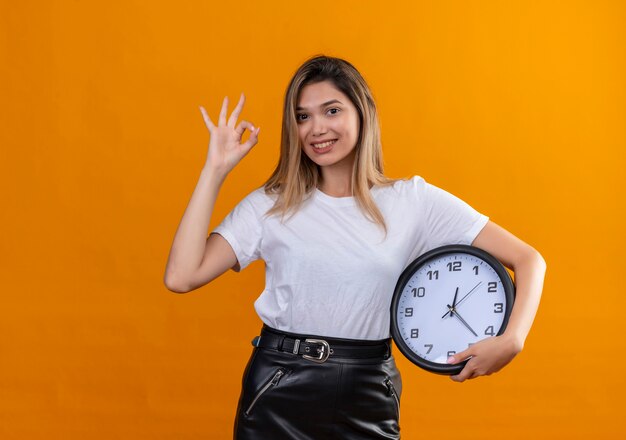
517	107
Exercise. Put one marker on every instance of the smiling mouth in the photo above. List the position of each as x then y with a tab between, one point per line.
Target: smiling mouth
324	144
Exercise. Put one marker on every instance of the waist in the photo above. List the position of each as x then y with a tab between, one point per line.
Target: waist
318	348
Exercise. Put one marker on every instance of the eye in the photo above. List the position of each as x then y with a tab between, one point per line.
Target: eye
334	108
298	117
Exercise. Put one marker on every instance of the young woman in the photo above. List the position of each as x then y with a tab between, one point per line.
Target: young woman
335	234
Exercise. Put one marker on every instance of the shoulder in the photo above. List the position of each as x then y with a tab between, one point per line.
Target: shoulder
257	201
408	185
258	195
414	189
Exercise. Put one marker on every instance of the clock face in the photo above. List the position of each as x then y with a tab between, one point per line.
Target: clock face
447	300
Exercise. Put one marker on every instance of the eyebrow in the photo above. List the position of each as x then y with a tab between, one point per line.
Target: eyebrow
332	101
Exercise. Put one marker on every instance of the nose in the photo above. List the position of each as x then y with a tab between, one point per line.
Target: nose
319	127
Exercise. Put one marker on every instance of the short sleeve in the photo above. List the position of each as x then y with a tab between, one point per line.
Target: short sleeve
242	229
448	219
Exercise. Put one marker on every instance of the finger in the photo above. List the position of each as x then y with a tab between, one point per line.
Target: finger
252	140
235	114
207	120
460	356
474	375
463	375
242	127
223	112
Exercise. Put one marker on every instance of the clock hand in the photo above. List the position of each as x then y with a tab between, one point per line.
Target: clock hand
468	294
453	303
455	313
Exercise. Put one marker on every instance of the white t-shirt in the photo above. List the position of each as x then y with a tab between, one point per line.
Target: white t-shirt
328	271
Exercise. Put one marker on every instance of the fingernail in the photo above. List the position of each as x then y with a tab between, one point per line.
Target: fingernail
450	360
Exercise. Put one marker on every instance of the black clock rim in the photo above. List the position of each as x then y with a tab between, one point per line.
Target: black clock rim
509	292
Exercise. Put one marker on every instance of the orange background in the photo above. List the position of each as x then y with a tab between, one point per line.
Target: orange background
517	107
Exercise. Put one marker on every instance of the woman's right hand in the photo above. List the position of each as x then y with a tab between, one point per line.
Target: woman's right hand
225	147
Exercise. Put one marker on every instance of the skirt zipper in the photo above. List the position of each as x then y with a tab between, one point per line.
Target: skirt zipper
272	382
392	391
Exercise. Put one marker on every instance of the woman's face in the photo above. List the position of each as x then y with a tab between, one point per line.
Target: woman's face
324	114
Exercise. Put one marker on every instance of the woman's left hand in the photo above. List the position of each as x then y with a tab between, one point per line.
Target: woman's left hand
487	356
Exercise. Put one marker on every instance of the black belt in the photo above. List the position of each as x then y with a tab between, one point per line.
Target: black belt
320	348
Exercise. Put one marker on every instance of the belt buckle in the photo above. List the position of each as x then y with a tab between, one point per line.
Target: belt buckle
323	350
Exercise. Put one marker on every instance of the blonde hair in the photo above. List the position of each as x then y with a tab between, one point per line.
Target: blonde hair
296	176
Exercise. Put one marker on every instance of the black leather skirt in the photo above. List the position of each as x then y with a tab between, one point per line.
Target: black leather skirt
314	387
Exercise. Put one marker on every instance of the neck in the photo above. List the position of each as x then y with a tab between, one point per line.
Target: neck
336	182
336	186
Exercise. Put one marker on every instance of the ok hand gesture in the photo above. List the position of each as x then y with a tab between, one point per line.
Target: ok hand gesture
225	147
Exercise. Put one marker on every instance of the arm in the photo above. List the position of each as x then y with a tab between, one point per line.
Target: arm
490	355
191	248
194	259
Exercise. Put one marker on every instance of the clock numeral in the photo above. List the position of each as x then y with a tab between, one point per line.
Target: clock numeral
430	347
475	270
451	353
414	333
493	287
454	266
419	292
498	308
408	312
433	274
489	331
